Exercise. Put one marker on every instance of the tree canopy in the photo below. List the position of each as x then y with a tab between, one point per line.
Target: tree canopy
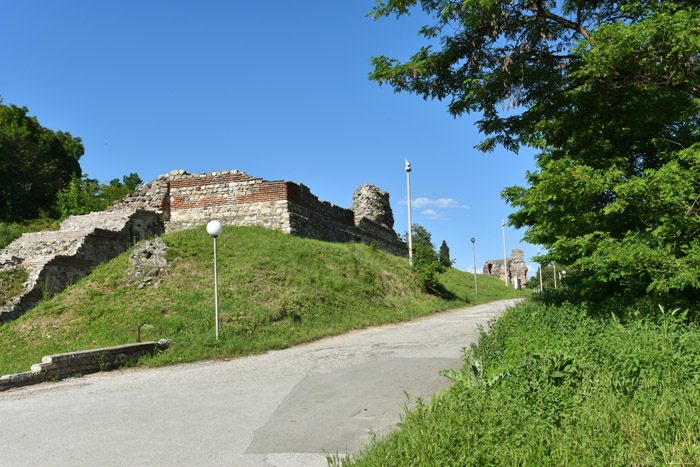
85	195
35	164
426	261
609	93
444	256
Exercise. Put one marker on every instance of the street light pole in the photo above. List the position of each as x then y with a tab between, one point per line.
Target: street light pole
505	258
476	286
540	264
410	226
214	228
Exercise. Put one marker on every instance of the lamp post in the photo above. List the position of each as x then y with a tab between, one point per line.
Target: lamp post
505	258
540	264
476	287
410	231
214	228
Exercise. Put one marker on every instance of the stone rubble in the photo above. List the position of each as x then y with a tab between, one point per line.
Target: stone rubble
148	264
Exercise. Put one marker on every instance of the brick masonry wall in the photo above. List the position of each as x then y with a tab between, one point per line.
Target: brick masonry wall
235	198
232	197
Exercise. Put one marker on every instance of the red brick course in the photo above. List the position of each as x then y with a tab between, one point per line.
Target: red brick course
259	193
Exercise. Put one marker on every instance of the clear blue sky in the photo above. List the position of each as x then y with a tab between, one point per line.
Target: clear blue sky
277	89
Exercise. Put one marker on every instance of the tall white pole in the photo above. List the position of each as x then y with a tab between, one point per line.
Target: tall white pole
540	264
410	225
476	286
216	293
214	228
555	275
505	258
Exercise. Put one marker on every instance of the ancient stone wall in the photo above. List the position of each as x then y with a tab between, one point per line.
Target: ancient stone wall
56	259
180	200
516	268
186	201
232	197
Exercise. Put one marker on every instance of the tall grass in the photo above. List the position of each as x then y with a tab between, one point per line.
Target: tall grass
562	385
275	290
11	283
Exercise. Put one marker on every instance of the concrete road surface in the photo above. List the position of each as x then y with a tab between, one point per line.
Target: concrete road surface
284	408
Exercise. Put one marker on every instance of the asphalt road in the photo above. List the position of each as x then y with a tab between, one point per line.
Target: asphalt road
284	408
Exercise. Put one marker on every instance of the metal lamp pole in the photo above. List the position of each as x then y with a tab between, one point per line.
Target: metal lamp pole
410	231
214	228
476	286
540	264
505	258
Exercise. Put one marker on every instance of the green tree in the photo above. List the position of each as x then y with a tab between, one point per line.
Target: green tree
35	163
85	195
81	196
548	277
115	189
609	93
426	260
444	256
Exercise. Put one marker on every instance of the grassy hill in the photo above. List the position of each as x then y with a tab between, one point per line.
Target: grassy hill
275	290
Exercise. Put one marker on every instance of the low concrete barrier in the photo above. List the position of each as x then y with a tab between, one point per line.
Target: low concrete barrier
59	366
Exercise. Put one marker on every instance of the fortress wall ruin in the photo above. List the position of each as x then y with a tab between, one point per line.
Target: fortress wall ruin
54	260
186	201
232	197
179	201
516	268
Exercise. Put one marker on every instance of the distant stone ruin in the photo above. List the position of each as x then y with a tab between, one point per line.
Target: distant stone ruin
178	201
516	268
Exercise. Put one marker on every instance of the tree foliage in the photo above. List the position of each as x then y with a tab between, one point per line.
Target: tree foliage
609	93
85	195
35	164
444	256
426	260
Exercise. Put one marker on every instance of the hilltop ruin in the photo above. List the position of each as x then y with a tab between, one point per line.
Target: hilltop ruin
178	201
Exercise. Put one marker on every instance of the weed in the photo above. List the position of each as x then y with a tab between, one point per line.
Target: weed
11	281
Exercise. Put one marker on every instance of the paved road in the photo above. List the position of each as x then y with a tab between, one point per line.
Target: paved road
284	408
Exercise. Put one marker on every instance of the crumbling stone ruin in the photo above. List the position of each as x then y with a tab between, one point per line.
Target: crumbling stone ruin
56	259
372	203
148	264
185	201
180	200
516	268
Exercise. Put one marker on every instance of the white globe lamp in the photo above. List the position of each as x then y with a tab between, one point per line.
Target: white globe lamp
214	228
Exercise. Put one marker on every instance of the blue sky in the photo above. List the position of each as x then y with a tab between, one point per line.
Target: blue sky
276	89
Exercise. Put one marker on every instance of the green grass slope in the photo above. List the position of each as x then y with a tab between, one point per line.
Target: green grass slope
275	290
